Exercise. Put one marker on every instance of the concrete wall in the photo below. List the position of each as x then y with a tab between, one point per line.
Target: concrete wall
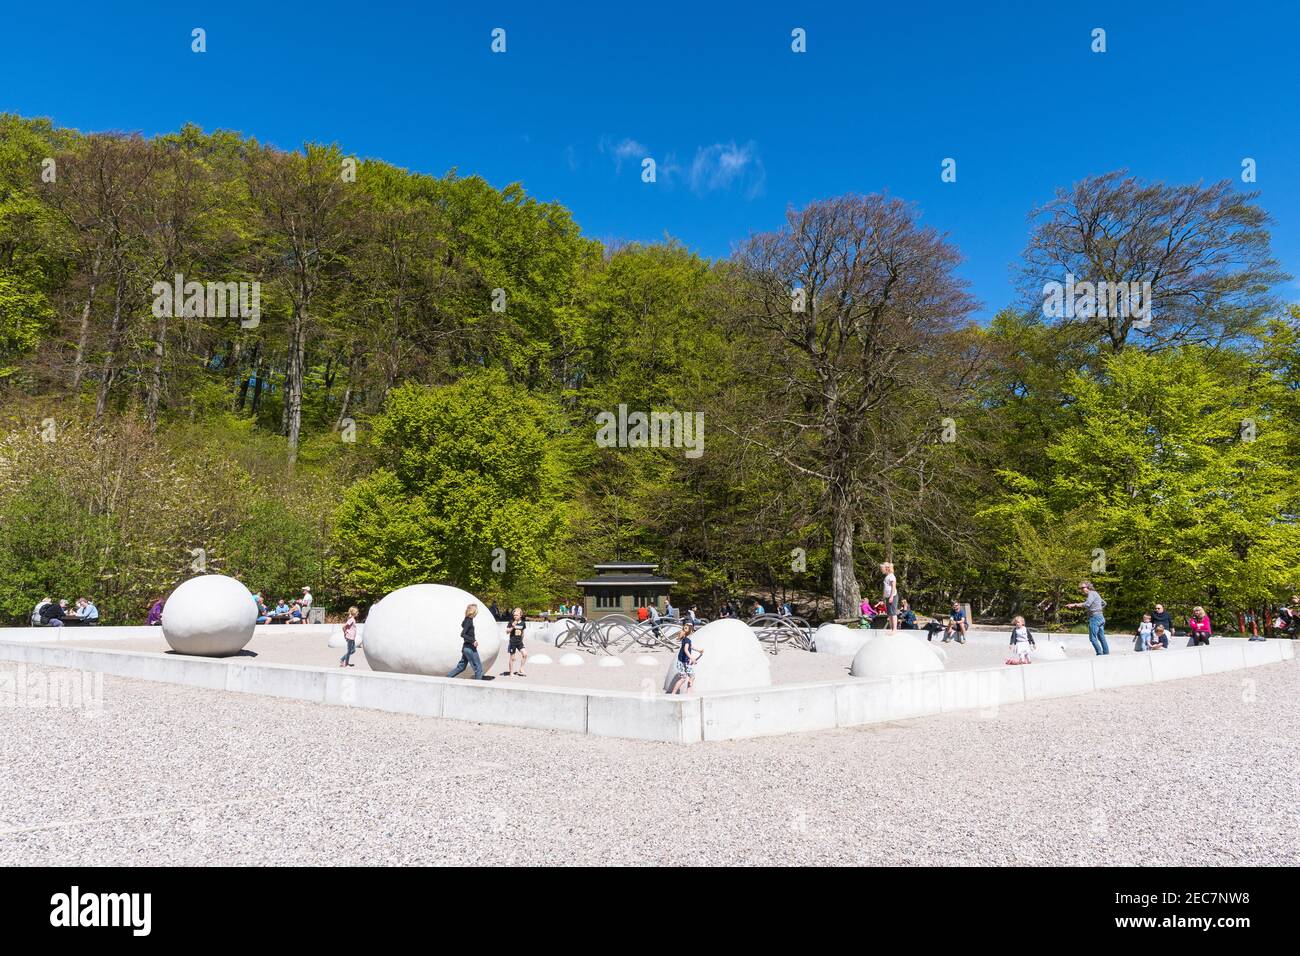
46	635
794	708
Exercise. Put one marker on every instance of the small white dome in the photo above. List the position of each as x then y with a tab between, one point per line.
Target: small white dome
894	654
839	640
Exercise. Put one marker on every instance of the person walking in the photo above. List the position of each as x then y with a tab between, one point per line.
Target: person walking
1093	603
350	637
890	595
469	645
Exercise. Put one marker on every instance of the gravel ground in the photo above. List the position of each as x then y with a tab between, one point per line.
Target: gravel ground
1195	772
789	666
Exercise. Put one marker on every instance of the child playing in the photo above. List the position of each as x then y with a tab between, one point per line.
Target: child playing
515	631
687	657
1159	639
1146	630
350	635
1022	639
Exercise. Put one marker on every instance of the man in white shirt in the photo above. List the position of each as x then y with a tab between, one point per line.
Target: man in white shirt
305	602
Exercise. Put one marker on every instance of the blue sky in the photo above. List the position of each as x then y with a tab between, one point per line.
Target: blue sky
739	125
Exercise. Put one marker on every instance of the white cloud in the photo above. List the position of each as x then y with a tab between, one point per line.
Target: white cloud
627	148
724	165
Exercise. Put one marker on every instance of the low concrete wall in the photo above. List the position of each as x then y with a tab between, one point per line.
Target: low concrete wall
48	635
797	708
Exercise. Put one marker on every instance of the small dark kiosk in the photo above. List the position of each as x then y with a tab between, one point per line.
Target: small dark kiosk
620	587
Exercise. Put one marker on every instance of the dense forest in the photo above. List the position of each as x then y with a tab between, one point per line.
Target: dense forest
311	368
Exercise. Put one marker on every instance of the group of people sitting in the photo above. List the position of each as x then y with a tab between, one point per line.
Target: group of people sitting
51	613
284	612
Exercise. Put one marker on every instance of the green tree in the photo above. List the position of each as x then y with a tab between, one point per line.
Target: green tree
466	469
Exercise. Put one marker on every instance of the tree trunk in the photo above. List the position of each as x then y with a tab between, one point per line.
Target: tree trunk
244	381
114	341
343	409
156	376
83	334
844	580
293	380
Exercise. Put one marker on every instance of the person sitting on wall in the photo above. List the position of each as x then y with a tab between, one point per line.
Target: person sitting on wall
906	617
1159	639
957	624
1161	617
155	613
1199	625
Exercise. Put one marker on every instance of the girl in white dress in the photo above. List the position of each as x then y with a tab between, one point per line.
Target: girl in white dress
1022	639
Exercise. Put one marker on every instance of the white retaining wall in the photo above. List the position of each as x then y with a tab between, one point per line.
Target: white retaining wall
783	709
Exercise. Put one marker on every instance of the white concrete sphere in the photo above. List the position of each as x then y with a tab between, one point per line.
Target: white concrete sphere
1047	652
536	659
939	650
842	641
733	658
571	660
210	616
646	660
893	655
416	630
609	662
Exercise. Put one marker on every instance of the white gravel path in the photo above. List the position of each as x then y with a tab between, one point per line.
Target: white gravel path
1199	772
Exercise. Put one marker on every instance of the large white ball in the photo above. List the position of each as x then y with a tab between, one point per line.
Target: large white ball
832	638
892	655
733	658
416	630
209	616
